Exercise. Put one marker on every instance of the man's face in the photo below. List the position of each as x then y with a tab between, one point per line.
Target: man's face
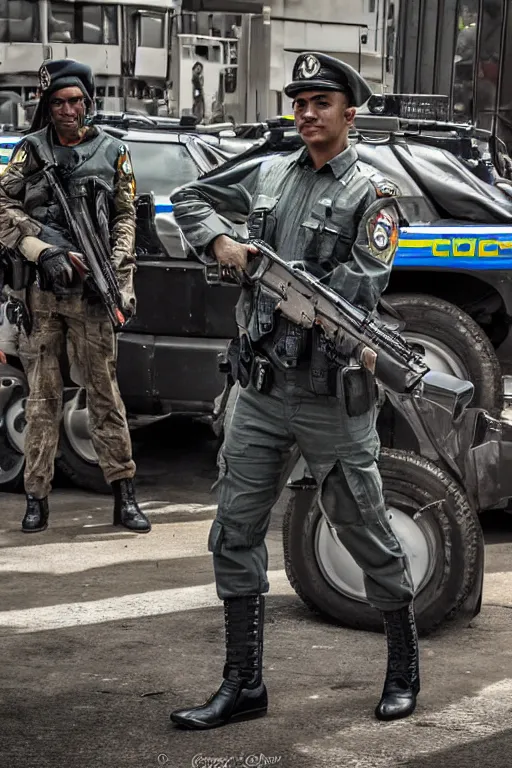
322	117
67	110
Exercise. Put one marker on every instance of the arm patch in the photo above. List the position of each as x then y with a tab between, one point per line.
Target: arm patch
125	170
20	156
382	233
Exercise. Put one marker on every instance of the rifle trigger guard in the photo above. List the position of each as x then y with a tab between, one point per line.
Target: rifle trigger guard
258	273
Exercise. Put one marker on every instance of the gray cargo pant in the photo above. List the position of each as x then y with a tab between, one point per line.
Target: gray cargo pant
85	331
341	453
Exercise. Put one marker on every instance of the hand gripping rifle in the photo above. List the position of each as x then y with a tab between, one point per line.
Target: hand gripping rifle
307	302
90	244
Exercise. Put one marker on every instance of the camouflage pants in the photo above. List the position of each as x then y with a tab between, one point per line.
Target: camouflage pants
85	332
341	452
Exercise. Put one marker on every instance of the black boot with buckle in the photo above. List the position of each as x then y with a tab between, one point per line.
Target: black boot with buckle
402	683
126	510
36	516
242	695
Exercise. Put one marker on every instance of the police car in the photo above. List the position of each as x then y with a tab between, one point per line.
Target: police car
174	320
162	160
7	144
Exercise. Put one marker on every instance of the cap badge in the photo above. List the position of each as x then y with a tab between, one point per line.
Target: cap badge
308	67
45	78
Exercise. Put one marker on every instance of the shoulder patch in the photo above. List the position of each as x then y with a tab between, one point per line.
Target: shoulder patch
125	169
124	164
382	232
19	157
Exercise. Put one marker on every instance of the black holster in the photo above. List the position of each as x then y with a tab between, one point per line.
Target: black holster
240	359
246	366
18	314
19	273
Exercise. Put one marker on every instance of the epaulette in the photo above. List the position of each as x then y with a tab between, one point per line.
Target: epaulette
383	186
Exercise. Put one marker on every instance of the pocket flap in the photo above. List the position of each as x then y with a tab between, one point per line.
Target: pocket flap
216	537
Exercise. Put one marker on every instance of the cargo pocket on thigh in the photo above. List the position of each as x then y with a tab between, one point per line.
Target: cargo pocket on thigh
234	536
216	537
222	467
335	498
237	536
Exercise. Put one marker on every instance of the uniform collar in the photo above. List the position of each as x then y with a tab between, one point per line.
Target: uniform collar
339	165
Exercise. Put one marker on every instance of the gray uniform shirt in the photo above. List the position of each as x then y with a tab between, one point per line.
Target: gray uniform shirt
326	218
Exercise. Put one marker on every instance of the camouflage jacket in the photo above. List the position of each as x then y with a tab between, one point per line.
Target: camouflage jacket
24	194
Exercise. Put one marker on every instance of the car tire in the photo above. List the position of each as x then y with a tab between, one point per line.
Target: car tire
13	391
80	466
83	475
454	343
446	536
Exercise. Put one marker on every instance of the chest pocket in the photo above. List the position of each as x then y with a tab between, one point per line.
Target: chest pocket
39	202
327	235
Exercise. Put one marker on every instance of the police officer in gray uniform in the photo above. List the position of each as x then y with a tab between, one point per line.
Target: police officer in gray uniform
314	206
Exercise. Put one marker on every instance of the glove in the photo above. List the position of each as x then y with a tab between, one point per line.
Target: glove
57	270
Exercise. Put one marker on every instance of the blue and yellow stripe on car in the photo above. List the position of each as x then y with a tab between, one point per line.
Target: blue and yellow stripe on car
455	247
7	145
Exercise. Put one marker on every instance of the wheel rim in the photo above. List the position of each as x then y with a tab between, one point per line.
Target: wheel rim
438	356
15	424
342	572
77	429
12	429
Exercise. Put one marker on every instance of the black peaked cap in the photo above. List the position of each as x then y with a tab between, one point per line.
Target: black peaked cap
55	75
318	72
52	75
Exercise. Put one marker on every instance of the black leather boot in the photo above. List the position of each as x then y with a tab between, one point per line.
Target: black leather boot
126	510
402	683
36	516
242	695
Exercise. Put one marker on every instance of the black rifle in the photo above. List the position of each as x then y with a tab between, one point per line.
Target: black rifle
307	302
91	246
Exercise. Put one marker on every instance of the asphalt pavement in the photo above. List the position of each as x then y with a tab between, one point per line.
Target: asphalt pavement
104	632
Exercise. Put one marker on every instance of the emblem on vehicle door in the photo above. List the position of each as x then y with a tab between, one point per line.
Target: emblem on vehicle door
308	67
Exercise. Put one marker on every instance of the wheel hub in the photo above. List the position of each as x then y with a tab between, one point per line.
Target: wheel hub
12	427
15	424
438	356
342	572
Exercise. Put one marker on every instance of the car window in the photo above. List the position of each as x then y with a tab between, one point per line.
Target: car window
161	167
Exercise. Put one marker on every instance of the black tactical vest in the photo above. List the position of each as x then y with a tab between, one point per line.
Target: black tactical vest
95	159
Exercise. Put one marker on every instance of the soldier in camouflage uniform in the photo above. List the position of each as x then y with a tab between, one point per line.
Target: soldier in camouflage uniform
313	206
66	313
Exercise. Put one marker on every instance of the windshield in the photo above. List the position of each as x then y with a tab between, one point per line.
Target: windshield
161	167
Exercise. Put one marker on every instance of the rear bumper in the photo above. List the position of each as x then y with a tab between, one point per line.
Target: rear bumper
169	374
